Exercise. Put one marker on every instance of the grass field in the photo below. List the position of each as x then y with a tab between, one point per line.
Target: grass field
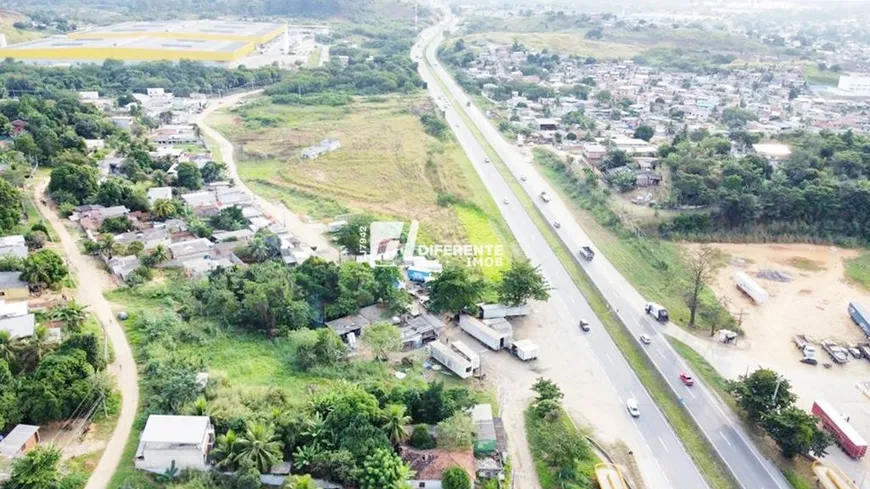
798	471
815	76
387	166
697	446
314	57
858	270
13	35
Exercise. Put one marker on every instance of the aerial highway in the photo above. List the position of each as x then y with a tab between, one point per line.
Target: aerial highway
720	426
666	463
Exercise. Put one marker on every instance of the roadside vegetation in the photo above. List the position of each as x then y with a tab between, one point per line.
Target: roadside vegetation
858	270
756	392
563	457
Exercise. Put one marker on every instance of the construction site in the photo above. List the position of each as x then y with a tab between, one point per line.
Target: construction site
216	42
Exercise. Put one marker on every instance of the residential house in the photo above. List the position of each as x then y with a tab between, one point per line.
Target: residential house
199	267
21	439
159	193
188	250
150	238
484	430
429	465
594	153
320	149
175	135
418	331
547	124
774	152
346	325
647	178
15	318
123	266
200	199
13	246
180	441
12	288
229	196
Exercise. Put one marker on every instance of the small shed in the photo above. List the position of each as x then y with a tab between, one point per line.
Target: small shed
21	439
12	287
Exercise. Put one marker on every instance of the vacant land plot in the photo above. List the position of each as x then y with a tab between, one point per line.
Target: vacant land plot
858	270
387	166
562	42
13	35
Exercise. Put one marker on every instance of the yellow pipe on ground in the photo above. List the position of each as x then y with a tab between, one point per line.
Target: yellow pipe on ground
609	477
831	477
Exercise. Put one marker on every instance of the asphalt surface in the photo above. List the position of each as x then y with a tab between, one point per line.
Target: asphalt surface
675	469
719	426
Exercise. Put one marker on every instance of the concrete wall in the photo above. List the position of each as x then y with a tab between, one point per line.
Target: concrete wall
157	459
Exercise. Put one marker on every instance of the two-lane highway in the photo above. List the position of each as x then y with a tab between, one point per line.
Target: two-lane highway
664	462
720	427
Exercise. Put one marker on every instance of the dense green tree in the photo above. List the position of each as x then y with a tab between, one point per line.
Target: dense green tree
61	383
189	176
299	482
455	478
229	219
354	237
547	389
521	282
227	450
10	206
395	421
72	314
383	469
797	433
37	469
454	290
456	433
10	410
45	268
383	338
77	184
421	439
644	132
762	393
212	171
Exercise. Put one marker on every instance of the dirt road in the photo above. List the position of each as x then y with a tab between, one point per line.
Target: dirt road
310	234
91	284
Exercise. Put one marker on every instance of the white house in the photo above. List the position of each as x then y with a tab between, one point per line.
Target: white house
185	440
158	193
14	246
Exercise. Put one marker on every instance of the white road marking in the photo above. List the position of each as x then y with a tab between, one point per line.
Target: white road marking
662	354
663	444
690	392
726	439
609	359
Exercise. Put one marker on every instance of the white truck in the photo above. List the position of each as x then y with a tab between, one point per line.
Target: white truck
807	349
495	340
525	350
657	311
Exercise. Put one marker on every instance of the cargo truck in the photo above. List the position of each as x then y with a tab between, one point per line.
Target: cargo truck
844	434
587	253
807	349
657	311
751	288
860	316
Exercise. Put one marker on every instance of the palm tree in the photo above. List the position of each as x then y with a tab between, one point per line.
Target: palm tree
227	449
160	254
261	446
107	245
259	250
299	482
304	455
8	347
199	407
163	209
395	423
37	346
72	314
160	178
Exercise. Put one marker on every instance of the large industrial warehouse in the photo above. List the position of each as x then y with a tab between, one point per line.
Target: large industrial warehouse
211	41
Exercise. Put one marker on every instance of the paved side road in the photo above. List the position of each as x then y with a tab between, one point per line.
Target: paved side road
91	285
308	233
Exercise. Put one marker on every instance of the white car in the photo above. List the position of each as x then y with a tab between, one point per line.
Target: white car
506	201
645	339
631	405
486	160
523	178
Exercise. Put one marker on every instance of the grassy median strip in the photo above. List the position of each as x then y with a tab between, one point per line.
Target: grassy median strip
697	446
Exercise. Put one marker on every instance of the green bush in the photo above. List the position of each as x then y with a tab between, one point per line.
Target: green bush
421	439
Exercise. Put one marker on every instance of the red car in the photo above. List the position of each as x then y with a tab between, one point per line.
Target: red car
687	379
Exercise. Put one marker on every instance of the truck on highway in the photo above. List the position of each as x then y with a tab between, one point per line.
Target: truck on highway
545	196
751	288
525	350
807	349
844	434
657	311
860	316
837	353
587	253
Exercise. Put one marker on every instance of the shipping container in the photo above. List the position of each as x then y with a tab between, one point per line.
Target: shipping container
493	339
844	434
860	316
455	359
525	350
751	288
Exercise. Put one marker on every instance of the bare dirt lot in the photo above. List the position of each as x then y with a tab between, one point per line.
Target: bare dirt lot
812	302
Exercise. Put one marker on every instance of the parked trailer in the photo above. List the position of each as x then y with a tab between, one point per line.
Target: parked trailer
493	339
525	350
844	434
751	288
493	311
456	357
860	316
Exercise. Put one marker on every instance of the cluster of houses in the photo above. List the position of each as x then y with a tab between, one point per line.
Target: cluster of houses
185	442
